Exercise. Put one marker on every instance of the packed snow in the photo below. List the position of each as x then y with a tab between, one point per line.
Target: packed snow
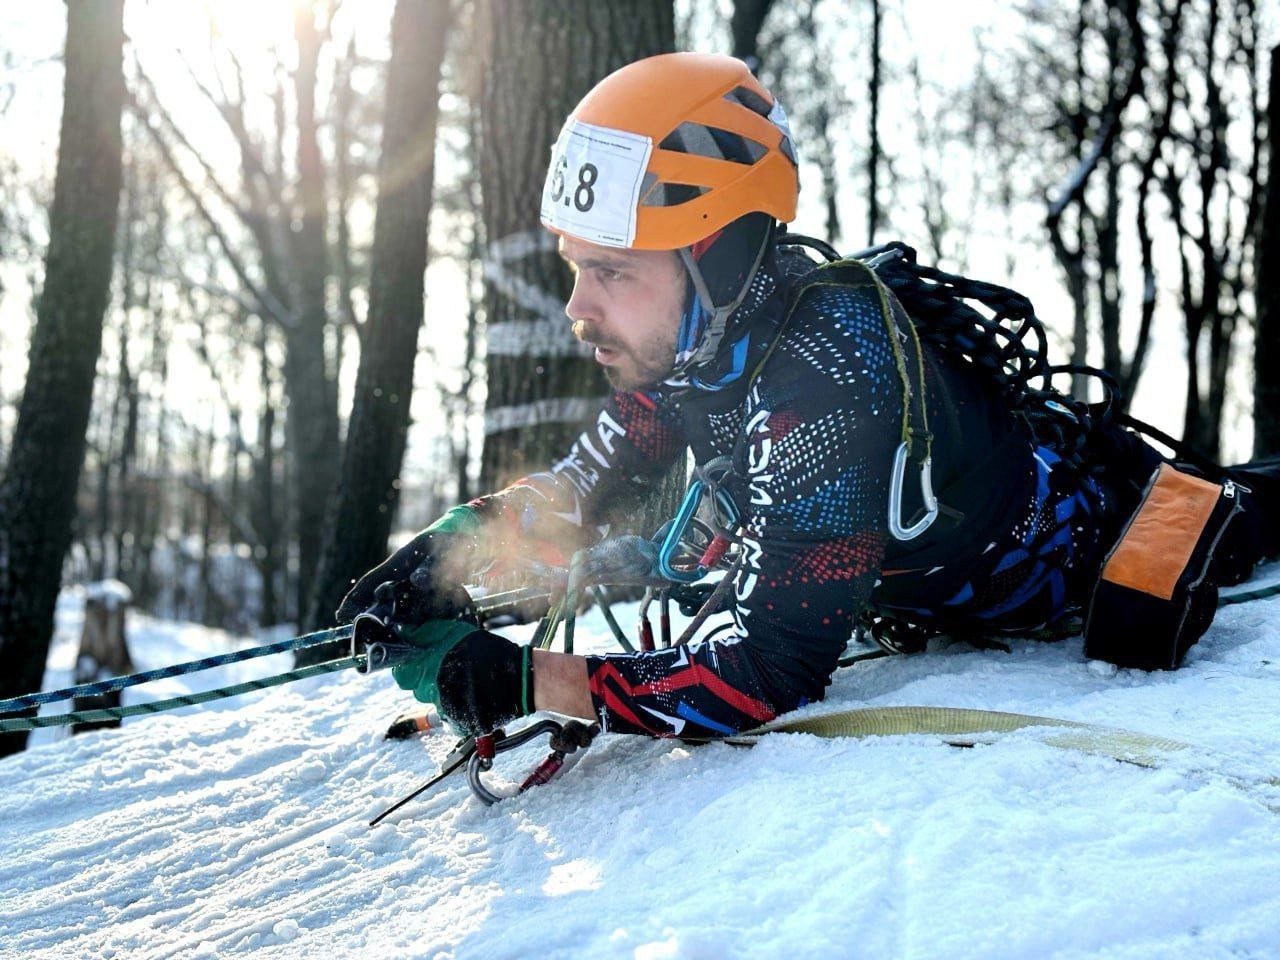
241	828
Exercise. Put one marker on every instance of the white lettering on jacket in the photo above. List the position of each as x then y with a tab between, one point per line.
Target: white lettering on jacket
759	450
576	468
759	447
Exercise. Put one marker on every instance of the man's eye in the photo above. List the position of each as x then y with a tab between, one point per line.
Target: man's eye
611	276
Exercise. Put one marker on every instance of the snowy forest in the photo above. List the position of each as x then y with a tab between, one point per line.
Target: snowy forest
267	296
275	295
231	420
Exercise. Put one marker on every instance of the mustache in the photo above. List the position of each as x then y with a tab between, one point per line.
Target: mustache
581	332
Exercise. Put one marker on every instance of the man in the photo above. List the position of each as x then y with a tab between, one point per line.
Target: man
838	425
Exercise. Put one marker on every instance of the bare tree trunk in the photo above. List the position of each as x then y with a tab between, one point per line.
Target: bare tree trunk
465	406
343	105
1076	264
313	413
1266	357
542	57
827	105
1090	153
124	474
37	495
369	490
104	650
745	25
204	577
1206	318
1171	30
285	216
873	133
934	189
264	514
1106	223
152	521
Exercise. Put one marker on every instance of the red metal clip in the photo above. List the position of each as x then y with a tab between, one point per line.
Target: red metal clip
543	773
646	634
715	551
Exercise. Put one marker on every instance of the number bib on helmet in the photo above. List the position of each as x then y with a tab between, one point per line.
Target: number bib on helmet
593	185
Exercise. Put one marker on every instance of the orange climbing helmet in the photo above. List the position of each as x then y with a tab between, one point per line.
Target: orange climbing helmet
664	152
686	152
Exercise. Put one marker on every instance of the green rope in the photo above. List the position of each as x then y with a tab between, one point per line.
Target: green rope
1246	595
570	621
174	703
546	632
112	684
602	601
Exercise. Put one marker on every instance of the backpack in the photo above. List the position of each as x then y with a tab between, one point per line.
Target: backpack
1156	590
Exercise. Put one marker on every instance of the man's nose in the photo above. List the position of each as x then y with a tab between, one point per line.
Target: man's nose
581	308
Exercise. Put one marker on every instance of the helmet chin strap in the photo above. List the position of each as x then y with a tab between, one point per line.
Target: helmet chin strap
711	338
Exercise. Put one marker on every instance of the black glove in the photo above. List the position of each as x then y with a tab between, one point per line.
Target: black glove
484	681
415	568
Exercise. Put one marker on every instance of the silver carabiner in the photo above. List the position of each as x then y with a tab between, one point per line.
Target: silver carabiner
896	527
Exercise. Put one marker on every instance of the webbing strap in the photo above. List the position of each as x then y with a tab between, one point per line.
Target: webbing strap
964	727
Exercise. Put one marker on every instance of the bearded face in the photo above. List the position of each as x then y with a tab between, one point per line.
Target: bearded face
626	305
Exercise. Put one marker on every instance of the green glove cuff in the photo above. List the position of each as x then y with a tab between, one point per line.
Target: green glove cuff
461	519
436	638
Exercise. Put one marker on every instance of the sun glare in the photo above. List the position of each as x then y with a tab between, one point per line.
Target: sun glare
255	24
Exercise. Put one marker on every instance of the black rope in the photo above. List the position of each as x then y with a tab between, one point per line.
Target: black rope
1008	342
800	240
1010	345
1181	448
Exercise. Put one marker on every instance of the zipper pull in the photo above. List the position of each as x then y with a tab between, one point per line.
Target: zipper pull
1229	489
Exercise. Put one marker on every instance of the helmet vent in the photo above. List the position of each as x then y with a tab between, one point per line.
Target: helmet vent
705	141
655	193
749	99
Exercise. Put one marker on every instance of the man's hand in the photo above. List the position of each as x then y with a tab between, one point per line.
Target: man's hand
415	565
479	681
436	639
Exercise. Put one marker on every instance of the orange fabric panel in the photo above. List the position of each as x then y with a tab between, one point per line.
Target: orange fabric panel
1155	549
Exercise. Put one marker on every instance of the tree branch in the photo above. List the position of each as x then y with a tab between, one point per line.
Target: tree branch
265	303
224	194
1071	189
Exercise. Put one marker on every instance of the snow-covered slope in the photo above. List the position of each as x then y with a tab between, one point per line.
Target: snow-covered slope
242	830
